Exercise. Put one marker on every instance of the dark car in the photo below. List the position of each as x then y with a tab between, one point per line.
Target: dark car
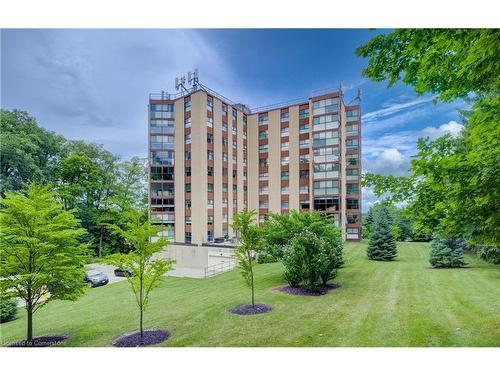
95	278
123	273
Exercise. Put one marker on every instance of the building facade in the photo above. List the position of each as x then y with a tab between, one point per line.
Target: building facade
210	158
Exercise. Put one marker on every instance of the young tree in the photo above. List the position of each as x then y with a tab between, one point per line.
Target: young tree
146	272
382	245
249	239
40	249
446	254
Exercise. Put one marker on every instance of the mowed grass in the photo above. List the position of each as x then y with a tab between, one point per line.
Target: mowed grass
400	303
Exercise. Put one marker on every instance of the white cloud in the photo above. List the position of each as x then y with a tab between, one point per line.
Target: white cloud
451	127
392	156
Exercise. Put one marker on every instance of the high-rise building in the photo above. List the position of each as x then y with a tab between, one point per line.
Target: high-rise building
210	158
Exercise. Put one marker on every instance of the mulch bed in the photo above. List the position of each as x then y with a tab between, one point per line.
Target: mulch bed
133	339
301	291
39	342
258	308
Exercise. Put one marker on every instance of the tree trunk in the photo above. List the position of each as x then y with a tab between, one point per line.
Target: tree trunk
100	244
251	278
141	308
29	308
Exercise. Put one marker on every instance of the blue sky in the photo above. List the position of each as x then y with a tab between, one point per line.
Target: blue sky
93	84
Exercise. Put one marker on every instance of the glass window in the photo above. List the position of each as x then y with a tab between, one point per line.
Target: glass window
304	128
352	144
188	171
285	160
352	159
304	159
352	204
304	189
188	188
210	203
285	131
327	138
263	176
264	190
210	138
263	204
210	188
285	175
161	141
210	155
262	218
285	190
304	113
162	157
188	237
262	162
162	126
284	116
187	139
263	118
326	106
327	170
284	205
285	146
263	134
325	122
326	187
210	122
327	204
187	122
304	143
224	187
210	171
188	203
304	174
263	148
326	154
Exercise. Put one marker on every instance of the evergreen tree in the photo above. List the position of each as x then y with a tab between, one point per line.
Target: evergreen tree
444	255
382	245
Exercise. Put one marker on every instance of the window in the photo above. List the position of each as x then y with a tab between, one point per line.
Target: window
188	171
304	174
263	134
235	144
161	111
188	204
263	118
224	141
263	204
352	129
188	237
352	144
285	131
187	139
210	155
187	104
304	143
326	187
210	188
235	158
235	188
224	172
224	109
328	138
352	115
304	128
326	106
162	126
262	218
161	141
304	205
352	188
210	104
210	138
304	113
162	190
224	188
264	190
162	157
245	120
210	203
187	155
352	204
285	175
285	146
304	159
210	220
352	174
352	218
210	236
327	204
304	189
162	173
224	218
224	126
326	154
210	171
187	122
224	156
188	188
328	170
210	122
284	205
234	115
352	160
284	116
285	160
263	162
263	176
326	122
263	148
285	190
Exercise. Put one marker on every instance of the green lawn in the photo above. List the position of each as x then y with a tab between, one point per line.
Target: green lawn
400	303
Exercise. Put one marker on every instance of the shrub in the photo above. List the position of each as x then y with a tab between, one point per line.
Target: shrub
265	257
444	255
382	244
490	254
8	309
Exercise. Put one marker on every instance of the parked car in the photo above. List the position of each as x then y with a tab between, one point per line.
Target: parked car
123	273
95	278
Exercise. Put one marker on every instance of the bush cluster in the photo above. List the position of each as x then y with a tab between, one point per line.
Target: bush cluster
8	310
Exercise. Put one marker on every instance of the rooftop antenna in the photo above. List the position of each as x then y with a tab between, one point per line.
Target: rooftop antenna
192	80
341	89
357	98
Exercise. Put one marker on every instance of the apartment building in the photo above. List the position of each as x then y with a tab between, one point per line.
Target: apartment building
210	158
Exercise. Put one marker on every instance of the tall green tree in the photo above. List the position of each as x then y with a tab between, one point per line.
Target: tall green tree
28	152
146	271
382	244
453	187
249	239
39	248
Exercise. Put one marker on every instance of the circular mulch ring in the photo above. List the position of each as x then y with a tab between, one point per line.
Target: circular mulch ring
39	342
301	291
258	308
133	339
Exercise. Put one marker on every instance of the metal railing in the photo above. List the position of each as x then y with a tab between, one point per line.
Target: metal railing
219	268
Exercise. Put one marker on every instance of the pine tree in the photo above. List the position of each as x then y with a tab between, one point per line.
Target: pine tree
382	245
444	255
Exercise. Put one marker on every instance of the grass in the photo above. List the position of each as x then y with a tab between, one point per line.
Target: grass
400	303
